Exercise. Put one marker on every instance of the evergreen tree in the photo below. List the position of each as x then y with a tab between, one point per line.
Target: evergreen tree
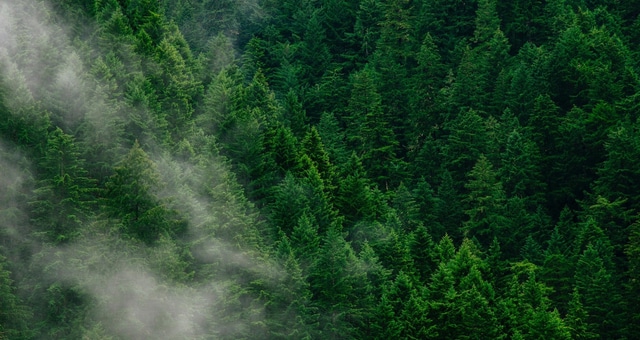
65	195
520	171
370	133
461	301
367	26
333	281
305	241
392	59
423	99
484	203
578	318
288	306
315	55
466	141
290	203
313	147
423	253
618	180
333	138
402	311
406	208
601	303
557	270
355	199
395	253
129	197
528	309
632	250
14	317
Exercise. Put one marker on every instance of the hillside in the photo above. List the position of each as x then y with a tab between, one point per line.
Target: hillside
319	169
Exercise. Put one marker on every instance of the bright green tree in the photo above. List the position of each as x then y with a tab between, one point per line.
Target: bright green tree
527	309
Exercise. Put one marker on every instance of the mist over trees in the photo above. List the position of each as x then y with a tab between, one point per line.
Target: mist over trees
319	169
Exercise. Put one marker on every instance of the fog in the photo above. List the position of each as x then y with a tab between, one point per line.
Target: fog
135	291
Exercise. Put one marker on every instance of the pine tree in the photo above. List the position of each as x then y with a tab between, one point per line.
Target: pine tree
305	241
526	308
65	194
333	138
313	147
402	311
617	178
467	140
288	306
600	298
314	50
393	58
519	171
484	203
395	254
406	208
129	197
423	253
367	27
355	199
14	316
461	301
289	204
333	284
426	82
632	250
532	251
557	270
578	319
371	135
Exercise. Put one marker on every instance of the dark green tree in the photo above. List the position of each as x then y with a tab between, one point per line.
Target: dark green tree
424	253
355	199
484	204
65	195
599	295
313	147
305	241
402	311
369	132
519	170
578	319
334	280
15	317
130	197
466	141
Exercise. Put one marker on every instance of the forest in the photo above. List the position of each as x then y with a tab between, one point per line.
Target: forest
319	169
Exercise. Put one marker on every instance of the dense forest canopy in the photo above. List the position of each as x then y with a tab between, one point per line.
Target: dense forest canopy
319	169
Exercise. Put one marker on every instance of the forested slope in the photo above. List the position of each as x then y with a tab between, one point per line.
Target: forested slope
319	169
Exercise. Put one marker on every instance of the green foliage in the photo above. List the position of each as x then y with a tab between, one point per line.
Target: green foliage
485	203
14	316
65	196
369	133
526	307
130	197
461	301
601	303
332	169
